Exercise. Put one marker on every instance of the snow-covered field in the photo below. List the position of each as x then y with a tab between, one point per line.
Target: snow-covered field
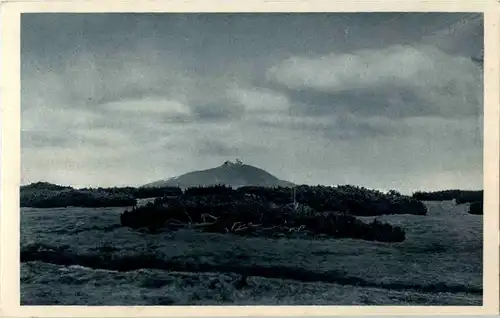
440	263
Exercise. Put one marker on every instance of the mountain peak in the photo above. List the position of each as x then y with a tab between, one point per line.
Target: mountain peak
234	174
229	163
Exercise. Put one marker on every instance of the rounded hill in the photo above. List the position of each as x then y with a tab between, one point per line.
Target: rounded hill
230	174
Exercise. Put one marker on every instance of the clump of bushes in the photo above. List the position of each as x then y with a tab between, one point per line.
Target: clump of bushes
357	201
47	195
476	208
77	198
211	190
353	200
37	186
460	196
249	212
143	193
474	198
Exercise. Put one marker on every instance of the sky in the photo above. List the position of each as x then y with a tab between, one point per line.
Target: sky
381	100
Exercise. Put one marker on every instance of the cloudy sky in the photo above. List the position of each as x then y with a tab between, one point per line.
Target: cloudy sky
382	100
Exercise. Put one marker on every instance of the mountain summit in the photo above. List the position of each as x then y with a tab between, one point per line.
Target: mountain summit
235	174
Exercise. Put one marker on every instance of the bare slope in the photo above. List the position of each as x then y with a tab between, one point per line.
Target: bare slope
230	174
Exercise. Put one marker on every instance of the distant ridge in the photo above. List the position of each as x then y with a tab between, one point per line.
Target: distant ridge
231	174
42	185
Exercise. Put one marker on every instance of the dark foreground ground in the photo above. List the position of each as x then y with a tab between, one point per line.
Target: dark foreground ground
81	256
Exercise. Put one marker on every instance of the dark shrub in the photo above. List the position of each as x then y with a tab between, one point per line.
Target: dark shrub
476	208
255	211
460	196
47	195
43	198
142	193
469	197
350	199
43	186
210	190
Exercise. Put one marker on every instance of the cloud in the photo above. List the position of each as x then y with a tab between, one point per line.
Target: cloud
57	119
146	97
45	139
103	137
224	148
149	107
399	80
463	37
217	148
217	110
259	100
91	77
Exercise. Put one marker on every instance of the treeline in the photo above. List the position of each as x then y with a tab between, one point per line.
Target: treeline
460	196
476	208
260	211
349	199
256	219
74	197
47	195
38	186
474	198
143	193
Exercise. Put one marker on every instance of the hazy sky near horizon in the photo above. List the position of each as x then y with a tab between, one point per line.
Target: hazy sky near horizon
382	100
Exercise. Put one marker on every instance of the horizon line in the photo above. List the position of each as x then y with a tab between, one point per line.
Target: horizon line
385	190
